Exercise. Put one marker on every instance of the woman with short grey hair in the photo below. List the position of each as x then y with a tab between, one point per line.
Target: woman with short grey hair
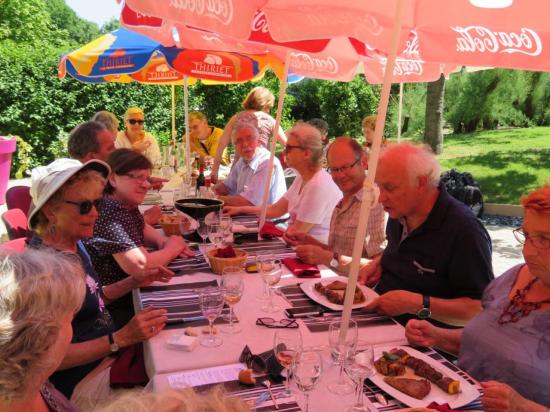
40	292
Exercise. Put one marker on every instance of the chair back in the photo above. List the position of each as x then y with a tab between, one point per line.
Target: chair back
16	223
14	246
19	197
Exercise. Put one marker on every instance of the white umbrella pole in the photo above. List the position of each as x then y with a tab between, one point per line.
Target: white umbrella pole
173	114
273	144
399	112
187	142
369	197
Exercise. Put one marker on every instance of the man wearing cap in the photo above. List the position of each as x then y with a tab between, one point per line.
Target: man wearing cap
204	138
135	137
90	140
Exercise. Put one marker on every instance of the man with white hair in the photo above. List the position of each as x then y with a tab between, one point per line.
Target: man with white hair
438	258
245	184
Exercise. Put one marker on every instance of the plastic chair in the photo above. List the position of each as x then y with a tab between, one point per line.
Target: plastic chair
16	223
19	197
14	246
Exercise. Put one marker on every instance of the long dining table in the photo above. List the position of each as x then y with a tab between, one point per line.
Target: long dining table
170	368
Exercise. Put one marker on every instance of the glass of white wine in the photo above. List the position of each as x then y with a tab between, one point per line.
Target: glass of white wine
211	301
287	345
271	271
307	371
232	286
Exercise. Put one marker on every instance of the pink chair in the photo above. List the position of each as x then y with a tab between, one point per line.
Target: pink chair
16	223
19	197
14	246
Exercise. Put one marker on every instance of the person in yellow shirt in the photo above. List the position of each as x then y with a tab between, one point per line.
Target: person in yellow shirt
204	138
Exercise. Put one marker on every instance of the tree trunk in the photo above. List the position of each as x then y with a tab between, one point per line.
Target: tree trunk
433	130
405	127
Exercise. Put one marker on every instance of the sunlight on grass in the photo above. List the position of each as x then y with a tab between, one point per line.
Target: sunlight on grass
506	163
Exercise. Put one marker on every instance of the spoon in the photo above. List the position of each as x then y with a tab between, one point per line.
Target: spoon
267	384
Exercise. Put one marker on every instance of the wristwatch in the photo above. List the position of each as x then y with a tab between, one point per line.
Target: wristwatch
113	347
334	263
424	312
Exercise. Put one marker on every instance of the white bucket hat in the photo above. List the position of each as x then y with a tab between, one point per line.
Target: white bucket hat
46	180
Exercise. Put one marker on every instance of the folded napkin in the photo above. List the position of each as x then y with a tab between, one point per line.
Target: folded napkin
269	230
444	407
301	269
128	370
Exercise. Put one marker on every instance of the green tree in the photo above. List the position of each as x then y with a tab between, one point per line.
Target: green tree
25	22
64	21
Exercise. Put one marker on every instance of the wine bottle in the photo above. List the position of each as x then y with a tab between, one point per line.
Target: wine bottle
201	179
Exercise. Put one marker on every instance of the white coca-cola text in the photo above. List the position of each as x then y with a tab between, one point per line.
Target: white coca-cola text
481	39
303	61
221	10
259	23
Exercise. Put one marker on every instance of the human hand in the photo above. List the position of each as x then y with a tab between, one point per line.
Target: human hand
421	333
152	274
152	215
371	273
178	245
231	210
144	325
311	254
214	173
499	397
396	302
294	237
141	145
157	182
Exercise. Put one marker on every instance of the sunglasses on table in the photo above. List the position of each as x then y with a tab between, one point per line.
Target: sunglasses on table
279	324
135	121
254	362
85	206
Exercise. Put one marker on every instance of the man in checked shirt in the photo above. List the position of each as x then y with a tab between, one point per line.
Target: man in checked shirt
347	165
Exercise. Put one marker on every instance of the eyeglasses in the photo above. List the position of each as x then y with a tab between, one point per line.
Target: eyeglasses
342	168
279	324
85	206
138	179
538	241
289	147
135	121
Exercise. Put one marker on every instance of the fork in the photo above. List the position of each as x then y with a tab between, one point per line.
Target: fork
267	384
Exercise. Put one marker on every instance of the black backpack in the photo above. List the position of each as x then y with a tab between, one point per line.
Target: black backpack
463	187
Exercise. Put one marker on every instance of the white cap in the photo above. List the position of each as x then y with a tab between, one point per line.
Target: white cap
46	180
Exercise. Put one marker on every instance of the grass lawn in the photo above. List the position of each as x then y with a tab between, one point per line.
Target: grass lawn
507	163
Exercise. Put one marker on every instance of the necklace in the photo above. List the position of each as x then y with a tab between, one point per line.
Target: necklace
518	308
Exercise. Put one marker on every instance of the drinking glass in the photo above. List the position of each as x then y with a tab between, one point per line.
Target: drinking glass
215	234
307	371
233	287
202	230
343	348
264	294
225	224
359	367
211	302
287	344
270	269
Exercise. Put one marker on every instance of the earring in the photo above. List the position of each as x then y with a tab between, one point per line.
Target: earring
52	230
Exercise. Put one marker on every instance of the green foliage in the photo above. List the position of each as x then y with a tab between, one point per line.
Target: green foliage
25	21
65	21
21	161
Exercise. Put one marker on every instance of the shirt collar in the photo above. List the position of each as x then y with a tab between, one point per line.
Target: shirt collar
258	158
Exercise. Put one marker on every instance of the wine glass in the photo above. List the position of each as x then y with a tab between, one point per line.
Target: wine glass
287	344
225	224
307	371
271	271
343	346
211	302
215	234
202	230
359	367
233	287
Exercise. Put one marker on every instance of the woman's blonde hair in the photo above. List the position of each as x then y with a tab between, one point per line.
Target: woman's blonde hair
37	289
83	178
131	111
369	121
172	400
259	98
538	200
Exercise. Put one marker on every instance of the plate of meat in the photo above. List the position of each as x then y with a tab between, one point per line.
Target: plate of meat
417	380
330	292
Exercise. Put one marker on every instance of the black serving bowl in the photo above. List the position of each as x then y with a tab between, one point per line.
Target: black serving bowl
198	208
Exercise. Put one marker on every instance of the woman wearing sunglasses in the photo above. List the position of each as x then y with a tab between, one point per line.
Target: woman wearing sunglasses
507	345
121	238
65	195
135	137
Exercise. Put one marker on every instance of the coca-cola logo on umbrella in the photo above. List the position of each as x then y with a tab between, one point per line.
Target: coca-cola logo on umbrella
482	39
303	61
221	10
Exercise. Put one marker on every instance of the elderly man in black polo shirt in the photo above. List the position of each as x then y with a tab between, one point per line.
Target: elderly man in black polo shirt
438	258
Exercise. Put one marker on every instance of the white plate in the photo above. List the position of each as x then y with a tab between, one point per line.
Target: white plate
308	287
467	394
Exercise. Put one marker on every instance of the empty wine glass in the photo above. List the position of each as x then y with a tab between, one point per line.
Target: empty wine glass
271	271
202	230
343	347
307	371
359	367
225	224
211	302
287	344
215	234
233	287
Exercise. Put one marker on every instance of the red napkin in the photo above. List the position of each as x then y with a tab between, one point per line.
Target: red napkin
269	230
444	407
301	269
128	370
